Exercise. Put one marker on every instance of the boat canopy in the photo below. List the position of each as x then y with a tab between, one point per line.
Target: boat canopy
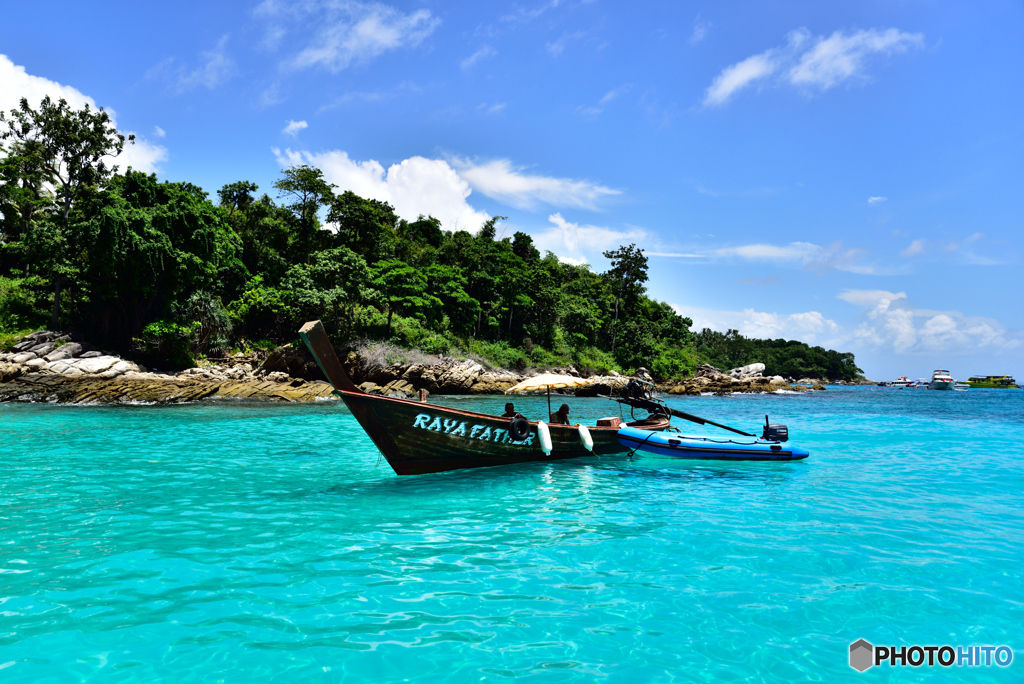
549	381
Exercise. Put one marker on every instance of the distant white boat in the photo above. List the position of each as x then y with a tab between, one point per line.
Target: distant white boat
962	386
941	380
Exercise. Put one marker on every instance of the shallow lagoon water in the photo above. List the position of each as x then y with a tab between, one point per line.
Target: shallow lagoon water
245	542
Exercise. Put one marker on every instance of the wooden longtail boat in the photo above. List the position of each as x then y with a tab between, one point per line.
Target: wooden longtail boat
418	438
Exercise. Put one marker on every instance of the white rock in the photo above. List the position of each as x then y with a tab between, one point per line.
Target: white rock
23	357
97	364
57	366
122	367
754	369
236	373
35	363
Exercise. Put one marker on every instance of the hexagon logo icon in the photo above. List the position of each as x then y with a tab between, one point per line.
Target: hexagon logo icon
861	655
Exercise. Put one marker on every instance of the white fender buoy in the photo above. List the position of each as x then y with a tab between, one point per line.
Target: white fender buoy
545	437
588	441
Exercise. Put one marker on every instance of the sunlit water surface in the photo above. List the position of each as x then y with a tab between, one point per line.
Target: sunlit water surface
255	542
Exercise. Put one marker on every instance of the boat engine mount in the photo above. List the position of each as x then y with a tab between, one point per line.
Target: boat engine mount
774	433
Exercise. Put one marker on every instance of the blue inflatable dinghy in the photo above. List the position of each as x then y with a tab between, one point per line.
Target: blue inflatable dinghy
704	448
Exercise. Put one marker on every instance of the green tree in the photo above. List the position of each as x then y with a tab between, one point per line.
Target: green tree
329	287
24	195
151	245
365	226
629	273
237	196
637	345
308	191
210	321
449	285
400	287
70	146
265	231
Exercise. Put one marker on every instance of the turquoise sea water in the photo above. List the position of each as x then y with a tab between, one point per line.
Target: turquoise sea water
253	542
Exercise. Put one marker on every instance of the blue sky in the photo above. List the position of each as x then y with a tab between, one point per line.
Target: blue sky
848	174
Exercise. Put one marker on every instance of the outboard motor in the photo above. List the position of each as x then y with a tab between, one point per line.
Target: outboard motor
774	433
636	389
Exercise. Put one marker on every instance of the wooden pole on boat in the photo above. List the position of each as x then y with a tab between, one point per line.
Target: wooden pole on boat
549	402
315	337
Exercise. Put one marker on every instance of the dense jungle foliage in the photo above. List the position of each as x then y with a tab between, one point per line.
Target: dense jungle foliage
160	271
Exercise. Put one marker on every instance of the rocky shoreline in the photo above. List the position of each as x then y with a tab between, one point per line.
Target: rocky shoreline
54	368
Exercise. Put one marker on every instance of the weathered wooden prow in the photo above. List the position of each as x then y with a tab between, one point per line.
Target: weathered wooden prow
315	337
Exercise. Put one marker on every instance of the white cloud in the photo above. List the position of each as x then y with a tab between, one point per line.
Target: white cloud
557	47
807	255
15	84
159	132
700	30
966	255
574	243
492	109
499	180
877	200
294	127
811	62
440	187
890	322
142	156
608	97
954	246
415	186
739	76
215	67
839	57
344	33
810	326
869	298
574	262
523	14
483	53
913	249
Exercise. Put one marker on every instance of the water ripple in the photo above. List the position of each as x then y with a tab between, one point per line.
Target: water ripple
243	542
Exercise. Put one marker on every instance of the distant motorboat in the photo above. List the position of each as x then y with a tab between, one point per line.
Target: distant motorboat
962	386
992	382
941	380
901	381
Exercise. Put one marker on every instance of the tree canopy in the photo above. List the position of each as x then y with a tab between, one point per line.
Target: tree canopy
159	268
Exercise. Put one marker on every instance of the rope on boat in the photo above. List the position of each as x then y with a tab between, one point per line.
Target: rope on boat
633	451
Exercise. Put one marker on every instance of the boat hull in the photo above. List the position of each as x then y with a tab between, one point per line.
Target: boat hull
992	382
418	438
703	449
